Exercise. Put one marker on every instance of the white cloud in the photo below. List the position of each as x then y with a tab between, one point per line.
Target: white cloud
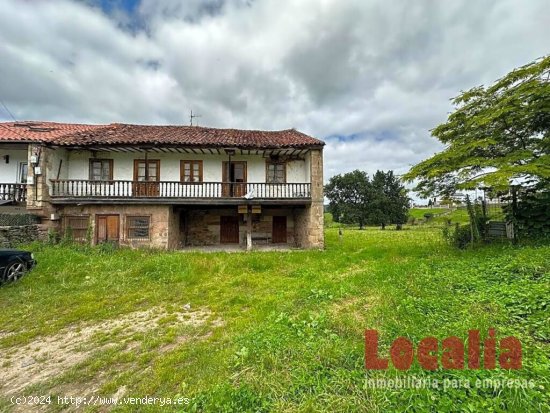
365	68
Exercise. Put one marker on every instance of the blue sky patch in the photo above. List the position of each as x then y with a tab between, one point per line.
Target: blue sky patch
376	136
129	6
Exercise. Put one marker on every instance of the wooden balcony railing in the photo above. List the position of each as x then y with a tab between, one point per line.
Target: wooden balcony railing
13	192
79	188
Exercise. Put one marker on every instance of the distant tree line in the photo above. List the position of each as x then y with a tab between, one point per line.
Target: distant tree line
355	198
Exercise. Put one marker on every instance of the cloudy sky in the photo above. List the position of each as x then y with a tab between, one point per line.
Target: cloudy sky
370	77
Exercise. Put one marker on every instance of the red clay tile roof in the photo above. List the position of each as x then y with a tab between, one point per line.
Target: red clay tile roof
32	131
118	134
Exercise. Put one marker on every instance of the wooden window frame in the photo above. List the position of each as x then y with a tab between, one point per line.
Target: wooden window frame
191	163
109	161
22	179
267	163
127	227
66	225
136	168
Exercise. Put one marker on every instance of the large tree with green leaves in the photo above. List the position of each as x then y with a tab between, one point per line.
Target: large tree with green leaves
496	134
348	196
388	200
355	199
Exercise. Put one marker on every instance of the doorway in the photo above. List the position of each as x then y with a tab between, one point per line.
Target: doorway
278	232
234	178
107	228
146	177
229	230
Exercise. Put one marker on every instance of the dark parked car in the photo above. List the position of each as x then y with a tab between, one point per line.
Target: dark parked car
14	264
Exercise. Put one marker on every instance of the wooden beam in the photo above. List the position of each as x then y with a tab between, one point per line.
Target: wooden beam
249	229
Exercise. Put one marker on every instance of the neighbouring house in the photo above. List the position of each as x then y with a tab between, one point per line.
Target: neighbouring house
166	186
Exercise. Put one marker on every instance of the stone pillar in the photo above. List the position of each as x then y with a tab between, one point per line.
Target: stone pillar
38	193
309	224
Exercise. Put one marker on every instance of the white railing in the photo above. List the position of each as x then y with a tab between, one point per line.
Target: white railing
80	188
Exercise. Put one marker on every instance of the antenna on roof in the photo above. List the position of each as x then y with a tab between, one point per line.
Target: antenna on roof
191	117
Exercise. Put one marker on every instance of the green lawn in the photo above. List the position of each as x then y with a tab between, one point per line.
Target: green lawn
272	331
418	213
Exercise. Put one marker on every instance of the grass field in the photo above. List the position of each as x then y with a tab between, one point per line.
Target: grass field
272	331
418	213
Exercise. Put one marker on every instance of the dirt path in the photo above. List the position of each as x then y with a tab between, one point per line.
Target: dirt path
49	357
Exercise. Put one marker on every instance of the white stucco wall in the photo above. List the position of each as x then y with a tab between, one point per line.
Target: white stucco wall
57	164
123	166
9	171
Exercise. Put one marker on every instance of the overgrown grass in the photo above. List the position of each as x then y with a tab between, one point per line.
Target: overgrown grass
292	338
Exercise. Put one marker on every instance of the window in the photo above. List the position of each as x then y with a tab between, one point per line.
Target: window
276	173
78	225
23	172
191	171
138	228
147	170
101	169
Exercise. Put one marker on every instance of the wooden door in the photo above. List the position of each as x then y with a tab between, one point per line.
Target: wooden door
278	234
146	177
229	230
107	228
234	178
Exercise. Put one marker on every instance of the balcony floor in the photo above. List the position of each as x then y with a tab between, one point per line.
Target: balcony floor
179	201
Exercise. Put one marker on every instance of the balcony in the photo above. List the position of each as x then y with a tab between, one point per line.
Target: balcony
174	192
10	193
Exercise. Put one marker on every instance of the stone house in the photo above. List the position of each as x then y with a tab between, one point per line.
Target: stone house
166	186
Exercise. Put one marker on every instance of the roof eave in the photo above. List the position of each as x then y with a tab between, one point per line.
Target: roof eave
171	145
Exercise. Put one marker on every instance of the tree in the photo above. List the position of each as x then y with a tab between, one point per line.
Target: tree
389	203
348	196
356	199
495	135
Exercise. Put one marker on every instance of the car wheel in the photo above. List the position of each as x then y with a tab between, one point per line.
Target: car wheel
14	271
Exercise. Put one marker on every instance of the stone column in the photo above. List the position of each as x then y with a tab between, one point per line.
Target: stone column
38	193
309	223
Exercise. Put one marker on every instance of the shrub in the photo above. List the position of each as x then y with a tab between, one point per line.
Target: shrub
107	247
89	234
532	213
67	237
53	236
459	236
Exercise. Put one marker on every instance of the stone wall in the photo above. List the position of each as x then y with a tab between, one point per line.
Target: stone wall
202	226
161	221
12	236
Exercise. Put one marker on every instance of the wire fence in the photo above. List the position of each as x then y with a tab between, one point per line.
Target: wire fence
8	220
